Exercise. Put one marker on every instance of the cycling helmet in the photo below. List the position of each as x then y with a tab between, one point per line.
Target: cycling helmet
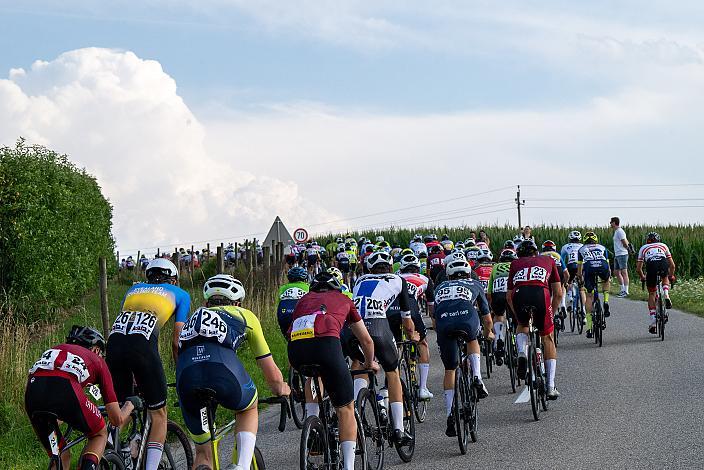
309	245
435	249
86	336
454	256
507	255
459	245
549	245
337	273
161	268
417	238
458	266
575	236
445	238
590	237
508	244
341	249
377	258
224	285
339	240
325	280
407	251
379	238
427	239
652	237
433	237
470	242
472	252
422	255
485	254
409	260
297	274
526	248
517	239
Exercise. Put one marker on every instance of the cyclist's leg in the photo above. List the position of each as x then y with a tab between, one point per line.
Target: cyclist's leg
545	326
387	355
589	286
351	349
605	285
423	350
522	317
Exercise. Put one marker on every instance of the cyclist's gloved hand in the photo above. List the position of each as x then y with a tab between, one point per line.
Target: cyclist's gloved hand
673	280
136	402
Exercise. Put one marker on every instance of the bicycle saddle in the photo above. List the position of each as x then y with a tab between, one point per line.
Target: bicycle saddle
205	394
459	334
310	370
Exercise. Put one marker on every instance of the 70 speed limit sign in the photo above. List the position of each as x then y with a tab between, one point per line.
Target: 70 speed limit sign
300	235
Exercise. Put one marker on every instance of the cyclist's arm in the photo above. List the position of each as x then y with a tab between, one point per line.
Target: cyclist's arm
272	375
405	306
671	262
183	306
485	314
365	341
116	415
430	297
639	268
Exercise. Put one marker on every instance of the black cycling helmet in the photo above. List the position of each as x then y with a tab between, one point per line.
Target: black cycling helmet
549	245
526	248
325	281
652	237
508	255
508	244
86	336
297	274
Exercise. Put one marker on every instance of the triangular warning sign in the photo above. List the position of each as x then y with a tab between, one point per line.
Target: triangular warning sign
278	233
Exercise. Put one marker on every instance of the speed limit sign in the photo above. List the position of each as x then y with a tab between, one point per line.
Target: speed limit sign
300	235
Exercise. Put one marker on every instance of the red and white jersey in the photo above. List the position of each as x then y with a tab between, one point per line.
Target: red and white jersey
483	271
482	245
417	284
653	252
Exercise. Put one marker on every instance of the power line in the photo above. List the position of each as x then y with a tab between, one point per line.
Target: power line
613	207
616	199
611	185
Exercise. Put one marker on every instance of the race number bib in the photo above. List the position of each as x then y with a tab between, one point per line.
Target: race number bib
500	285
369	307
75	365
46	362
456	292
142	323
485	284
211	325
292	293
538	274
304	327
412	290
572	257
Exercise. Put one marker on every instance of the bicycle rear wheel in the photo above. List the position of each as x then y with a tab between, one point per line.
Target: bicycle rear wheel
111	461
297	398
488	344
373	433
313	452
511	360
257	460
573	312
532	381
420	407
409	425
472	414
460	399
599	325
360	453
556	330
178	452
661	319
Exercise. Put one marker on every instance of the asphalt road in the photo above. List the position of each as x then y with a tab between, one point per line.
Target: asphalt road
634	403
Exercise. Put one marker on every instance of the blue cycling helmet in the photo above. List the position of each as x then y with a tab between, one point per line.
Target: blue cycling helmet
297	274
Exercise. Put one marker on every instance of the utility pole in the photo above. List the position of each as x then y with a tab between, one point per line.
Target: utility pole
519	202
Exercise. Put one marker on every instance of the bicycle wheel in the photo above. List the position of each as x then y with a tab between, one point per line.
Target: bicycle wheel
580	317
599	325
661	318
373	434
531	379
313	453
472	416
297	398
178	452
487	357
573	312
360	454
420	407
511	361
409	425
257	460
556	330
111	461
458	409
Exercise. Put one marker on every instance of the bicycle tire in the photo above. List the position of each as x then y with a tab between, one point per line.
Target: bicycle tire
661	317
360	453
532	383
580	320
406	452
573	312
555	331
511	362
457	410
373	433
313	445
473	417
112	461
257	460
487	358
599	326
176	440
297	398
420	407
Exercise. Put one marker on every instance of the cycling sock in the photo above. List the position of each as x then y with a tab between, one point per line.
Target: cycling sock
312	409
359	384
424	369
476	361
154	450
606	297
562	302
666	290
589	321
521	340
245	448
348	450
397	414
449	397
89	461
550	365
498	332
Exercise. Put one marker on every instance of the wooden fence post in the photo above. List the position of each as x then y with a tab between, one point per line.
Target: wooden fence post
104	314
220	260
158	252
255	253
267	258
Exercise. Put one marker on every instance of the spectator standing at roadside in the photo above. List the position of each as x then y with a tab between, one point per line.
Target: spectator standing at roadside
620	256
527	233
483	237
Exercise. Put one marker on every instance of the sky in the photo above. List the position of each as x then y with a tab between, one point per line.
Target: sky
204	120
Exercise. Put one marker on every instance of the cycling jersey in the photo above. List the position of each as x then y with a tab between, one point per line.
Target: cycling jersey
483	271
374	293
436	263
346	291
532	271
352	256
289	294
593	256
418	248
320	314
498	281
654	252
419	286
569	254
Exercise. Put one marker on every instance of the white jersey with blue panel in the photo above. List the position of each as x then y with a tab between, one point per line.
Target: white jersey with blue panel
373	294
569	254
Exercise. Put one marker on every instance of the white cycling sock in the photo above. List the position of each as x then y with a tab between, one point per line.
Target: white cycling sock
562	302
348	450
359	384
449	397
476	361
424	369
245	448
397	414
550	365
312	409
154	451
522	343
498	332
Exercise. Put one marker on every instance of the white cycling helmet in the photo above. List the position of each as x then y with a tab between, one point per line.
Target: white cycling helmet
224	285
458	266
379	239
161	266
486	253
455	256
379	257
575	235
409	260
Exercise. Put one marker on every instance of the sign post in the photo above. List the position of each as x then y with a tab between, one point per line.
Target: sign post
300	235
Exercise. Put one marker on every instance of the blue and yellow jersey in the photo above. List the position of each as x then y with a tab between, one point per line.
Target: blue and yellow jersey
352	255
147	307
559	262
346	290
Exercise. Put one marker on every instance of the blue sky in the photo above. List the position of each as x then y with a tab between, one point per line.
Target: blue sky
290	99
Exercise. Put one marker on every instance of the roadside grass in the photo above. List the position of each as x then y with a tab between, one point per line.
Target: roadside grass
687	295
21	344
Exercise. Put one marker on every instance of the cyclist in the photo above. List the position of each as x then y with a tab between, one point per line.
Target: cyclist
313	258
289	294
55	385
423	258
351	250
455	301
658	262
532	279
315	339
342	261
483	267
397	259
569	254
496	295
133	345
472	254
550	249
419	286
436	260
208	346
373	294
447	244
593	262
417	245
338	275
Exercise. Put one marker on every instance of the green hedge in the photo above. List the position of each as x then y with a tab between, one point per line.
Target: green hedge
54	225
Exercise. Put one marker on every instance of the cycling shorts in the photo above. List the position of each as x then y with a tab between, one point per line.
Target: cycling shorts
448	346
326	352
384	343
222	372
64	398
396	325
590	277
538	297
344	267
284	315
653	269
132	358
290	260
499	305
572	271
312	260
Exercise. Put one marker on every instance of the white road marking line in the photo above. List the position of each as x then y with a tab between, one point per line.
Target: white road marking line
524	397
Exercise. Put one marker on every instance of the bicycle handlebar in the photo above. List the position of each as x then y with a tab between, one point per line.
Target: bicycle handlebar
371	375
285	409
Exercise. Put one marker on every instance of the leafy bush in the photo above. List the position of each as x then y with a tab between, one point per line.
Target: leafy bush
54	225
